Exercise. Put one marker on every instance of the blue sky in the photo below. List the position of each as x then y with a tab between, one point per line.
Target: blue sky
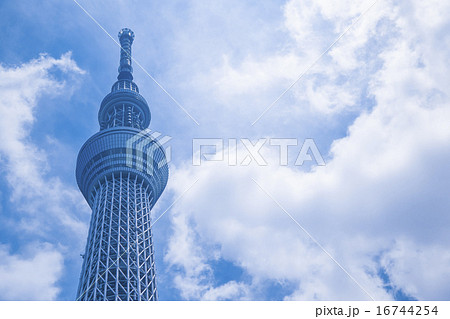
376	105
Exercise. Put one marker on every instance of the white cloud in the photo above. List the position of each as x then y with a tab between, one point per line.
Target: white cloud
195	281
380	202
41	205
329	87
228	291
42	199
32	275
419	280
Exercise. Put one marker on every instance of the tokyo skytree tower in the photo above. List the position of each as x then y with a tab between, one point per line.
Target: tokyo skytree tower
121	171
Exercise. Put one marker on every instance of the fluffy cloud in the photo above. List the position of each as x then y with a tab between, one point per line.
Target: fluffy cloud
196	281
421	279
378	205
31	275
42	199
329	87
42	205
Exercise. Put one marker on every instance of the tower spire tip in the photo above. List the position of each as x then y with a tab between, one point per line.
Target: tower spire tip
126	37
125	32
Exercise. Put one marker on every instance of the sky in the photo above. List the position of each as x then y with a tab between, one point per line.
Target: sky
366	81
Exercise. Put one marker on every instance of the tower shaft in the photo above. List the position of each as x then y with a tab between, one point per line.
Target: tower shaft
119	261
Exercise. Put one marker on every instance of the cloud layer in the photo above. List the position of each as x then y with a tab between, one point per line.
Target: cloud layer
42	207
32	275
379	206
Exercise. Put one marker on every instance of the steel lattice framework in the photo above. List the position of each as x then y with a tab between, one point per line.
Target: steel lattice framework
119	258
121	171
